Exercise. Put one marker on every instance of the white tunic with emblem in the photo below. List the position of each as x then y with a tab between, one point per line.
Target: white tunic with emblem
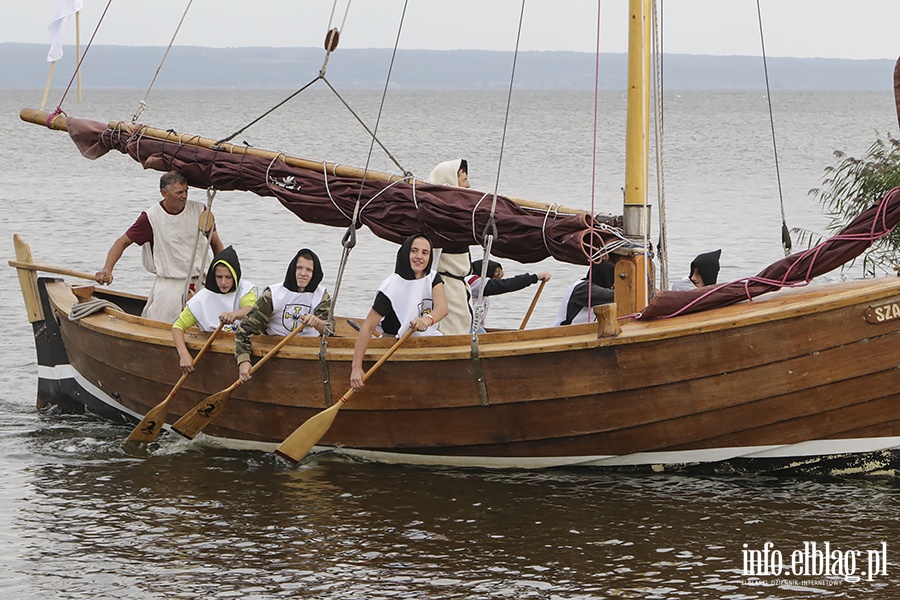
289	307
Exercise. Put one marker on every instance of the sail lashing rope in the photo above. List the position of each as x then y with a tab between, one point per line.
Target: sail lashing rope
785	232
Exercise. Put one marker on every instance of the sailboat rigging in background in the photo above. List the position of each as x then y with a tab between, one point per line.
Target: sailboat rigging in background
805	380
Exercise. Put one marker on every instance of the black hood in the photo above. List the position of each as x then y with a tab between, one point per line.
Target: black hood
229	258
493	265
290	278
708	266
402	266
603	274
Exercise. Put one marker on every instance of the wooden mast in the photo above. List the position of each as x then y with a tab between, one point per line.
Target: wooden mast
633	272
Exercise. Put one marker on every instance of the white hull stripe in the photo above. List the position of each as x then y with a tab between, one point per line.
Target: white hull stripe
809	448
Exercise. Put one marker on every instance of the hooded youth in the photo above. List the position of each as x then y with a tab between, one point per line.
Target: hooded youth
210	302
401	297
290	303
707	266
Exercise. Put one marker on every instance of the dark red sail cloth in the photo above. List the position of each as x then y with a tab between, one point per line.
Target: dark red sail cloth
451	216
795	270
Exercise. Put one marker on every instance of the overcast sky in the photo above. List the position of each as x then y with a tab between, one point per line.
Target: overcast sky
861	29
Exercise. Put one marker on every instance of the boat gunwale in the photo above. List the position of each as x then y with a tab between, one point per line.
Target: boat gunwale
782	305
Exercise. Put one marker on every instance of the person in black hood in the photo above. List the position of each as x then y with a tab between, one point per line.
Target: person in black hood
410	298
225	298
282	307
497	284
595	288
704	271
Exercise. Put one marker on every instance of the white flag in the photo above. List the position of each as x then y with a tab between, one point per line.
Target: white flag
64	10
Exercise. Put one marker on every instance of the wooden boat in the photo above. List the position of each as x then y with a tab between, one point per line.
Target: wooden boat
803	379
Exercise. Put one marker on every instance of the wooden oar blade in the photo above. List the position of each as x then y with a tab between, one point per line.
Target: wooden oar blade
152	423
196	419
298	444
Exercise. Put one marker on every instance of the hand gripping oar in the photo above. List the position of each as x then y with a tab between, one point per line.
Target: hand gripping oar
196	419
299	443
151	424
537	295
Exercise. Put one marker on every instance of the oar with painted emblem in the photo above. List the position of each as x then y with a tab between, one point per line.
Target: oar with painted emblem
196	419
153	421
298	444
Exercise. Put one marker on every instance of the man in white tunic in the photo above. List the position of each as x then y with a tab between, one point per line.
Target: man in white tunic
167	232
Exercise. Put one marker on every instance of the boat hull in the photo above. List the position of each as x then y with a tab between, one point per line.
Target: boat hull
800	381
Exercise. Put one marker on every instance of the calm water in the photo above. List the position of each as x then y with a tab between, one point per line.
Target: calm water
82	517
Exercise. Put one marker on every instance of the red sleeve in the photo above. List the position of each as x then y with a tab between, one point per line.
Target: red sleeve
140	231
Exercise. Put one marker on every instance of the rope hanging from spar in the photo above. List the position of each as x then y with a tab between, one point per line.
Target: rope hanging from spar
143	103
204	230
591	252
59	110
332	39
785	232
489	233
349	240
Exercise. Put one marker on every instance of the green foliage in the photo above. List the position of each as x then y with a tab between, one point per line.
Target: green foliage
850	187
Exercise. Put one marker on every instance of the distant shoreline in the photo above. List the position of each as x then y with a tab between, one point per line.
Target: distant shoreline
24	66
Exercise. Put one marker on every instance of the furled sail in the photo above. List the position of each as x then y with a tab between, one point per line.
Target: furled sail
393	210
796	269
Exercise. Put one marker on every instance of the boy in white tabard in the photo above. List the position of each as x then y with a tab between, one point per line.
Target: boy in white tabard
225	298
282	307
167	232
411	298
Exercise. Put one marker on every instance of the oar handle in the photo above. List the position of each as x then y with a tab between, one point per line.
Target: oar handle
534	300
33	266
274	350
203	350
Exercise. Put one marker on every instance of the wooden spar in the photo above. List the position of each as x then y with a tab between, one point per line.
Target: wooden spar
38	117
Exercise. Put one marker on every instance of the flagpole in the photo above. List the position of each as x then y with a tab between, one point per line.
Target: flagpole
47	87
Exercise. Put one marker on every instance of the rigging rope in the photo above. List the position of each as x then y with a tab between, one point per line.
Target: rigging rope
143	103
59	110
204	227
594	143
349	239
658	114
491	225
785	232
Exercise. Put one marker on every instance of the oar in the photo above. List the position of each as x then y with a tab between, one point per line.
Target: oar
537	295
151	424
299	443
196	419
33	266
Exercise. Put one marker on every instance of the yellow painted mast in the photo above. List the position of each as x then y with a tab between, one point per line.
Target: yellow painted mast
633	272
